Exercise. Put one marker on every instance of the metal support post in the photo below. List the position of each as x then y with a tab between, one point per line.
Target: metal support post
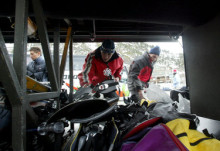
56	59
63	61
9	79
71	69
57	53
42	30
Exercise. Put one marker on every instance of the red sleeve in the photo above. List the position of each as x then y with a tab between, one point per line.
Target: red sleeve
85	77
120	67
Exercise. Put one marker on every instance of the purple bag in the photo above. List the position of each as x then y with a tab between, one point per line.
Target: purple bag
160	138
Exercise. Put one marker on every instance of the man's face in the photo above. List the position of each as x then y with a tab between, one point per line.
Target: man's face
106	56
34	55
153	57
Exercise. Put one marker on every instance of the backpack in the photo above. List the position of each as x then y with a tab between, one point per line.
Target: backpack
191	138
151	135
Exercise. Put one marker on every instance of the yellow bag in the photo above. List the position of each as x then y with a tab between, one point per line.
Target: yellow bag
148	102
193	139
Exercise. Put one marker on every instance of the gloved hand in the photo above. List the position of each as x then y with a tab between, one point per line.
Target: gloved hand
117	79
86	85
134	98
146	85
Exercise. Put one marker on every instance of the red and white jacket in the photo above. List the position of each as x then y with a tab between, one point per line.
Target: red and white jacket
95	70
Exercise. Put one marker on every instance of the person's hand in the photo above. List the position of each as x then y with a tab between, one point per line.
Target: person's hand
146	85
86	85
117	79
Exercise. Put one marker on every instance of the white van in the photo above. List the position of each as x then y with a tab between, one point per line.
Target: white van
78	61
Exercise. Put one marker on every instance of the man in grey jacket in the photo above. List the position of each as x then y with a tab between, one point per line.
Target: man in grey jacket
140	73
37	68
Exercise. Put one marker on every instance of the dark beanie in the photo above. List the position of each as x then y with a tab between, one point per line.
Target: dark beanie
108	46
155	50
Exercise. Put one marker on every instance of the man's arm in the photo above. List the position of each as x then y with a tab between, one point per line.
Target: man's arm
40	71
133	74
117	74
85	77
30	71
38	75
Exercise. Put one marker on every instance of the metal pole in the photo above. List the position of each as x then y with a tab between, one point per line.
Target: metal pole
9	79
56	59
42	30
19	62
56	52
71	69
63	61
20	42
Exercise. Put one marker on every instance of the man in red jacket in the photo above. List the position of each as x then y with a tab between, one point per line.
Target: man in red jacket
102	64
140	72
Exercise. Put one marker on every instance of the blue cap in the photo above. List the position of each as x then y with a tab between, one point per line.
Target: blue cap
108	46
155	50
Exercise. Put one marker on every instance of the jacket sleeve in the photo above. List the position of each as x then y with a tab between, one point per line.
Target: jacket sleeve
29	73
45	77
39	75
85	77
133	75
40	71
118	71
30	70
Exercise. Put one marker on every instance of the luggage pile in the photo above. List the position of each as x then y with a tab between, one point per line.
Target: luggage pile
168	130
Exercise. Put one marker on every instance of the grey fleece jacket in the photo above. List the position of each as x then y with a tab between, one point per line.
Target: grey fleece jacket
134	84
